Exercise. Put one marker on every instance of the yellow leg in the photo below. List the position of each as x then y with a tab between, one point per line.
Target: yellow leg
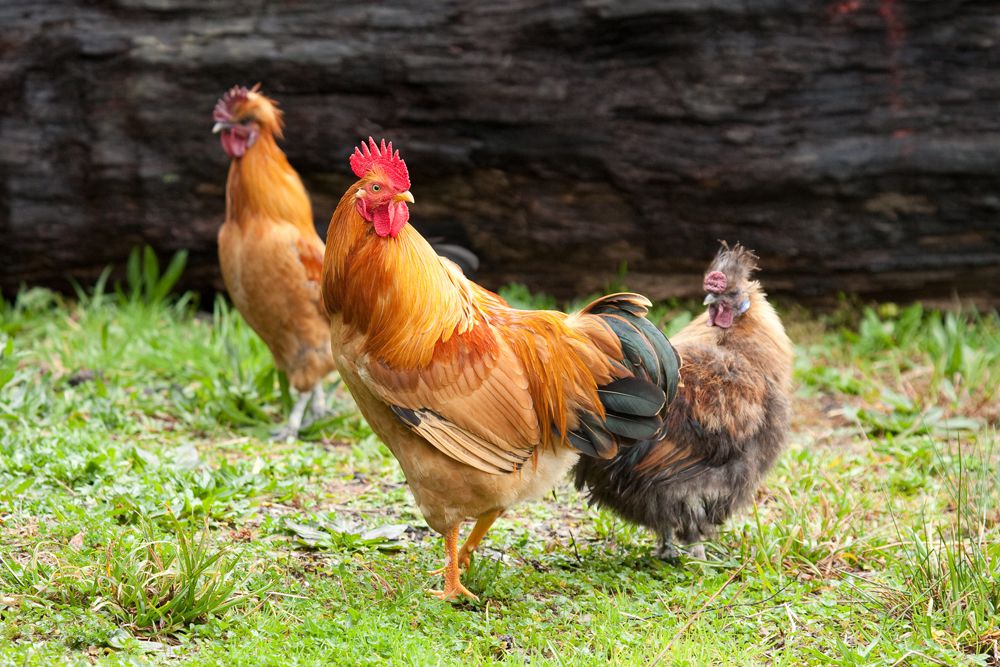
452	582
483	524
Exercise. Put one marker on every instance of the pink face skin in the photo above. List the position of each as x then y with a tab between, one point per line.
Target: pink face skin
723	306
720	315
383	204
236	138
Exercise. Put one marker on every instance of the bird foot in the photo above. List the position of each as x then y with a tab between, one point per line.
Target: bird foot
284	434
667	552
697	552
316	414
315	417
452	592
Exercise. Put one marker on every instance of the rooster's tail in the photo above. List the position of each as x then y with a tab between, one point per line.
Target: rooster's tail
635	405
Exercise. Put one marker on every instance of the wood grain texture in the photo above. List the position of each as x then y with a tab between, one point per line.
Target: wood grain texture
854	144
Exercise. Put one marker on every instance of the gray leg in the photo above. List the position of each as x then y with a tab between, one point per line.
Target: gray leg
667	551
317	405
697	551
690	536
290	431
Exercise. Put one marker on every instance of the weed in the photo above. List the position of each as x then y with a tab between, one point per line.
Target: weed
156	587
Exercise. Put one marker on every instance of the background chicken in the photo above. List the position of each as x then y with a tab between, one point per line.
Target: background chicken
726	427
483	405
270	253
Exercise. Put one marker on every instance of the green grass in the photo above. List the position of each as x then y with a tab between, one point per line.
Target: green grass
146	519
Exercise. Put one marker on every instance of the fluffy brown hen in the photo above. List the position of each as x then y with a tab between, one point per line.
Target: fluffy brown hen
726	427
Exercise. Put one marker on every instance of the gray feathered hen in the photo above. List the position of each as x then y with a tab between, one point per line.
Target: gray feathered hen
724	429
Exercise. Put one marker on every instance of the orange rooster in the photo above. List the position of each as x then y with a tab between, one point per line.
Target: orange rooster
483	405
270	253
727	426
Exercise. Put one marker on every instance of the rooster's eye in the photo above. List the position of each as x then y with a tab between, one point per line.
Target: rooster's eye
376	187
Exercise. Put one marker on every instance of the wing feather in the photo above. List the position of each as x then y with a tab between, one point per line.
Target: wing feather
480	412
461	445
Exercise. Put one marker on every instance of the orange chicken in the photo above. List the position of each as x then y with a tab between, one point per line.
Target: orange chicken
270	253
483	405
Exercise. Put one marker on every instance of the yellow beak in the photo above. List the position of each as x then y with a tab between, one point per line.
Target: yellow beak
404	196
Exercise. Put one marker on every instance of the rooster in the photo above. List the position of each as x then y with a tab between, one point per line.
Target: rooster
724	430
271	256
483	405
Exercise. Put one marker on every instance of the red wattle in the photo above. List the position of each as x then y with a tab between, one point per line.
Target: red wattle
720	315
391	219
234	144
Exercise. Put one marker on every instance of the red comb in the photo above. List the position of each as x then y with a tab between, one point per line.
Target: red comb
371	155
716	282
224	107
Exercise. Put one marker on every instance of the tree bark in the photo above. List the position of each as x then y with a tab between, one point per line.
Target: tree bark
855	144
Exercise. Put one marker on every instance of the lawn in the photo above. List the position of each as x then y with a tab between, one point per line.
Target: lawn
145	517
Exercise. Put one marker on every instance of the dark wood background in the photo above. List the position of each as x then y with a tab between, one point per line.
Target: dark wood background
855	144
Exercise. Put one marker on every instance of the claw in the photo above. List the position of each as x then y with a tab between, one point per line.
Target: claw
452	593
453	587
284	434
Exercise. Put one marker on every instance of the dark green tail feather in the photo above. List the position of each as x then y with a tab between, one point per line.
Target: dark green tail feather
635	406
639	352
665	352
633	428
631	396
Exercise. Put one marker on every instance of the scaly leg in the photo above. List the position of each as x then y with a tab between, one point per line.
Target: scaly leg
317	405
689	536
452	581
697	551
290	430
483	524
667	550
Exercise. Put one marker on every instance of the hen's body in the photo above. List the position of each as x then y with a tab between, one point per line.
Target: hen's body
725	430
271	259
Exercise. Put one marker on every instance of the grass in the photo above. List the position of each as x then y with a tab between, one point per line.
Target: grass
146	519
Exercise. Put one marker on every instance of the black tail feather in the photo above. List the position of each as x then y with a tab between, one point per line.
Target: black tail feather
631	396
633	428
635	407
640	355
